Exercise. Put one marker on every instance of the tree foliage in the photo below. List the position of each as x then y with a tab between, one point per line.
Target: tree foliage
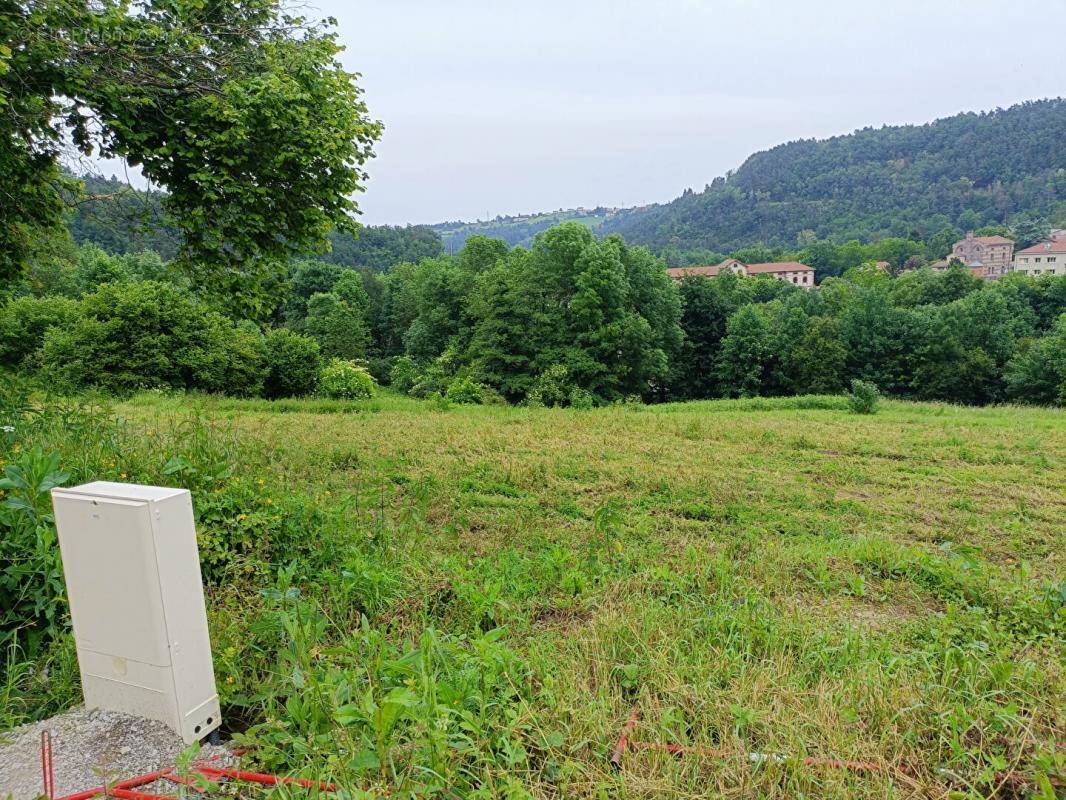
241	110
573	321
141	334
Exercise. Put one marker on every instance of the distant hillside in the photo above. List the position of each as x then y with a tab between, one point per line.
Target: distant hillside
961	172
520	230
964	171
120	219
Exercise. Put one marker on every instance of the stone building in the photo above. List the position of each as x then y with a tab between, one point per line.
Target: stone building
987	256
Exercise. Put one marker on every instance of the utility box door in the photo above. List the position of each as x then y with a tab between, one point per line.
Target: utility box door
113	549
136	602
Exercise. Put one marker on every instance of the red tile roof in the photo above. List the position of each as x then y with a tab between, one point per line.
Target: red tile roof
992	240
1057	245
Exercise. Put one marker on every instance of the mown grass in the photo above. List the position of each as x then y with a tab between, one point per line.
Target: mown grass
771	576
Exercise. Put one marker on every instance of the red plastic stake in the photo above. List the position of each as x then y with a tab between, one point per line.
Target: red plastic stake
48	776
269	780
623	740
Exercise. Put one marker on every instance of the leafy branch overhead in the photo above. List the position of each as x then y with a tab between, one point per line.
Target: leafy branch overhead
240	110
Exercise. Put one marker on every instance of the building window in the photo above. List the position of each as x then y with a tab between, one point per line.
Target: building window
1051	259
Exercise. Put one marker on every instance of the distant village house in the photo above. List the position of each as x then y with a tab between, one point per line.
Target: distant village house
1043	258
990	254
790	271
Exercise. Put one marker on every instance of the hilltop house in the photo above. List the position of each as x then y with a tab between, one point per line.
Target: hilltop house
986	256
1043	258
791	271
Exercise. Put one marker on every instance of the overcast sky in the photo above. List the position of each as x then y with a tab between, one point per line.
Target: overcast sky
502	107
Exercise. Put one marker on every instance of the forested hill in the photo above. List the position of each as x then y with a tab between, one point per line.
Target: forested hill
520	230
965	171
120	220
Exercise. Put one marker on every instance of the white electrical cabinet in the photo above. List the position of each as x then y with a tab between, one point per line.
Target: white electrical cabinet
137	603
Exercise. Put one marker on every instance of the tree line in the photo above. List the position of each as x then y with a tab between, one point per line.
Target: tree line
572	320
832	258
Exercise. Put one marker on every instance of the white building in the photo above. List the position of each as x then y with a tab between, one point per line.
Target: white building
1043	258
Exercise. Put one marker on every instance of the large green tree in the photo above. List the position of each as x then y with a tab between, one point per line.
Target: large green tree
748	354
706	306
239	109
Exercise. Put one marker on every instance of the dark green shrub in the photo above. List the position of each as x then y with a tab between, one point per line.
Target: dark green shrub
380	369
553	387
863	397
345	380
293	364
581	398
438	376
1037	373
338	328
465	390
144	334
243	373
404	374
23	322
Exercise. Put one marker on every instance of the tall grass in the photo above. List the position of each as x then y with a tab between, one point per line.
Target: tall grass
469	601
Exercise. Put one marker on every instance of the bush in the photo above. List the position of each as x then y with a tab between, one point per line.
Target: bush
553	387
465	390
345	380
438	402
29	554
293	364
245	370
404	374
863	397
24	321
143	335
379	369
581	398
438	376
1037	373
338	328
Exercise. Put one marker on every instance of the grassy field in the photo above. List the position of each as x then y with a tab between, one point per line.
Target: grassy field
479	597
